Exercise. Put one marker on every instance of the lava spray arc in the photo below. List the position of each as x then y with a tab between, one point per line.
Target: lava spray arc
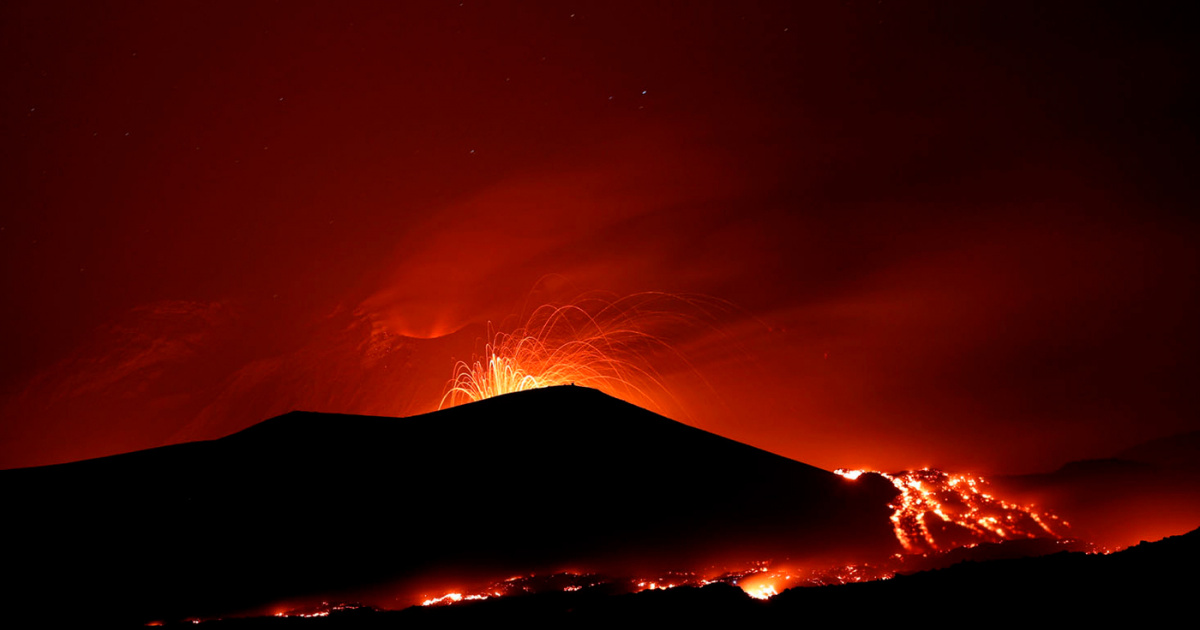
609	345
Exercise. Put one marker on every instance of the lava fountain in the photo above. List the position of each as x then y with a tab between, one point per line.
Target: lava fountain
609	345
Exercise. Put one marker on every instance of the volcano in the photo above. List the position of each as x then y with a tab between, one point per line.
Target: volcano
312	504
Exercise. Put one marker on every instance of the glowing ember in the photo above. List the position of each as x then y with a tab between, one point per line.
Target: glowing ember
323	610
937	511
765	591
567	581
605	345
759	580
763	584
450	598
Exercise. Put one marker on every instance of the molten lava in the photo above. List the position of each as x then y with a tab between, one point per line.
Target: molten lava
760	580
938	511
322	610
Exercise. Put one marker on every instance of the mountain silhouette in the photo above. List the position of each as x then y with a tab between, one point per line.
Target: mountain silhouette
309	503
1144	492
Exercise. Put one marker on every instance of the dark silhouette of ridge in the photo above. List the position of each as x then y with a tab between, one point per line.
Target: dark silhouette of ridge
1151	584
1144	492
310	503
1173	451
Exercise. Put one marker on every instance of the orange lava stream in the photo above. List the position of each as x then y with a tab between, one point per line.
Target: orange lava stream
937	511
934	513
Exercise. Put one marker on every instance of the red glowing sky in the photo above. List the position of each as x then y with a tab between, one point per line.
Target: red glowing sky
957	236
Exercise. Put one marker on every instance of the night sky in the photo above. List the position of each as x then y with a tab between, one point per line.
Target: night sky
952	234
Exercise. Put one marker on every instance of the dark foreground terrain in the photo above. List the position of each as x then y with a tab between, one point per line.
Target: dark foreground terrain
1150	585
310	505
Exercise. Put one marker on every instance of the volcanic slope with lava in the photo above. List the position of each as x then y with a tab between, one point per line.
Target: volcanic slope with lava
308	504
1151	584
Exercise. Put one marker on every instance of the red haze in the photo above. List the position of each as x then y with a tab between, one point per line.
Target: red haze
960	235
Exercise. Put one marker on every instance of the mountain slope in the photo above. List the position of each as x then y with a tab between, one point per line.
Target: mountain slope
310	503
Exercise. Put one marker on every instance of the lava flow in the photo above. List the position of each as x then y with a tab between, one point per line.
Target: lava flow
760	580
607	345
938	511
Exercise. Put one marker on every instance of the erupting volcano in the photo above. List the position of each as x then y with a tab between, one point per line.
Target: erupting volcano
529	482
609	345
759	314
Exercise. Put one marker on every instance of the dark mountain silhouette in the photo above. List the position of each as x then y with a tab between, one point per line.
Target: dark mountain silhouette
307	504
1174	451
1145	492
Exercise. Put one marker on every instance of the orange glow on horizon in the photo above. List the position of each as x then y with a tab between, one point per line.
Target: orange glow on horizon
764	585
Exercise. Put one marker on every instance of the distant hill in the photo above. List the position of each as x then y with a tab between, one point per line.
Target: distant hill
1145	492
309	504
1174	451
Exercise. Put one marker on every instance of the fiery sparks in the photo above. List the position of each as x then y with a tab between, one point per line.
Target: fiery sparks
602	344
937	511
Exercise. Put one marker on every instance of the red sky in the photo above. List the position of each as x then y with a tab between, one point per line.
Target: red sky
955	236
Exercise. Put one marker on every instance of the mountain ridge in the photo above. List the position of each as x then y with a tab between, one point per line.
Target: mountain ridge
308	503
